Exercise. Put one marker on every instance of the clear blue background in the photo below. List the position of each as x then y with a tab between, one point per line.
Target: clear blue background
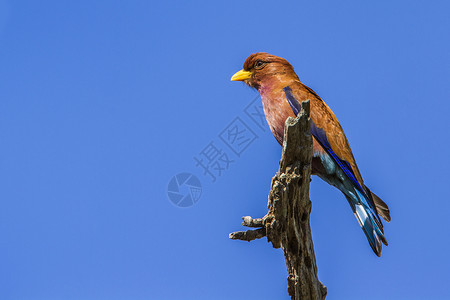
102	102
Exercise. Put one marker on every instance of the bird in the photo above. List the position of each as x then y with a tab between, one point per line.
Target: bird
282	92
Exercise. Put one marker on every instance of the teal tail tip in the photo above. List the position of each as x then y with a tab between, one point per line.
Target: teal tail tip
370	223
374	233
375	242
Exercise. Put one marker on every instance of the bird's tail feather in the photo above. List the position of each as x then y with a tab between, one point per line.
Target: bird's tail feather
368	221
381	207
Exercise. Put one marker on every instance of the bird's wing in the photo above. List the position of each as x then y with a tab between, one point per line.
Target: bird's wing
327	131
323	118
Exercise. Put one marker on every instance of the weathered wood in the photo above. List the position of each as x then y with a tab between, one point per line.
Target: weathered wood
286	225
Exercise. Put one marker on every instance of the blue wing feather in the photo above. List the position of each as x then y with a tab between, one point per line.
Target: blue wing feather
321	137
295	105
371	222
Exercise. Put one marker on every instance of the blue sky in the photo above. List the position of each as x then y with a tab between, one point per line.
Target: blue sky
102	103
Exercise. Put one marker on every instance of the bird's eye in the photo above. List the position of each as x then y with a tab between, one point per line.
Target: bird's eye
259	64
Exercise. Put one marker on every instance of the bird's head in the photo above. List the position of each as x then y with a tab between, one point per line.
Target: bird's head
263	68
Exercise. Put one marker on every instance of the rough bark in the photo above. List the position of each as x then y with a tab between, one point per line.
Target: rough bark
286	225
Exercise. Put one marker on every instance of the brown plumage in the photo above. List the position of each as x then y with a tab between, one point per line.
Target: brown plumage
270	75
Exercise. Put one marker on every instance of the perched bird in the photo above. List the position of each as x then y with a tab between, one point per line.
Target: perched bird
282	92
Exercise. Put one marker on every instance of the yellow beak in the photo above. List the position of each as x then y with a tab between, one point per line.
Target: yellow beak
241	75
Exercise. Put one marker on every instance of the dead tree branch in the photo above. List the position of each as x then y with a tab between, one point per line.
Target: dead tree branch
286	225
